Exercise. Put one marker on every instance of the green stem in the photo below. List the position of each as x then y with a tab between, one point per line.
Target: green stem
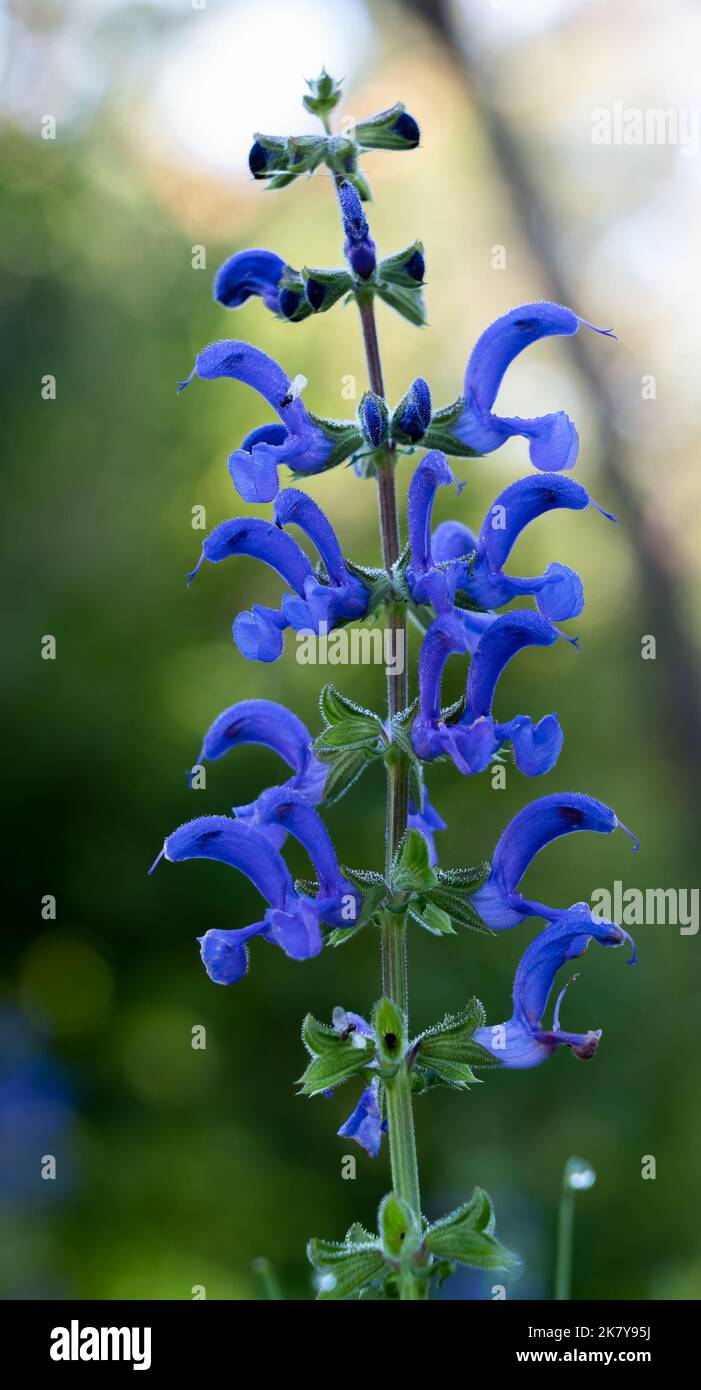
565	1231
400	1117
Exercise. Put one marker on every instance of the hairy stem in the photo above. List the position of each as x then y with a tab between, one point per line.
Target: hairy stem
402	1142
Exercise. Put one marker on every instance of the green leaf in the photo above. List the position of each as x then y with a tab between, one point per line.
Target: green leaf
345	1269
411	868
317	1037
445	1072
356	732
345	769
336	707
324	94
440	435
334	1058
466	1235
326	287
452	1041
452	893
379	132
398	1227
389	1027
392	271
432	919
407	302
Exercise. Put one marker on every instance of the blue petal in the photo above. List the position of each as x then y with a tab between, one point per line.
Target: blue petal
224	953
284	807
426	819
244	848
258	634
503	639
296	930
273	726
365	1123
247	273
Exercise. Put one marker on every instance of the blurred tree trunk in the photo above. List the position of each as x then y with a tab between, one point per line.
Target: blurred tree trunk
661	601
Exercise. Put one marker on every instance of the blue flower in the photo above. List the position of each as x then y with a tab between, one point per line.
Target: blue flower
273	726
343	598
553	439
302	441
498	901
292	920
558	592
359	248
247	273
365	1124
337	901
522	1041
473	739
425	818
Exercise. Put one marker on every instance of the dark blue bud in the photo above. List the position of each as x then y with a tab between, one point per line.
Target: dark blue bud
258	159
359	247
316	293
289	303
407	129
373	418
416	267
413	414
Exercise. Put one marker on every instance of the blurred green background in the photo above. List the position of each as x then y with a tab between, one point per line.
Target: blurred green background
177	1167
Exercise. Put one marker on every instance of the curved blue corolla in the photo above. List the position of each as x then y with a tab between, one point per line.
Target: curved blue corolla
553	440
522	1041
473	739
307	445
271	725
292	920
558	591
498	900
344	598
258	633
428	581
337	901
250	272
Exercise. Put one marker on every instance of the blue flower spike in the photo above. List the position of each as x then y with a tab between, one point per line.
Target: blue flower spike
522	1041
453	583
553	440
